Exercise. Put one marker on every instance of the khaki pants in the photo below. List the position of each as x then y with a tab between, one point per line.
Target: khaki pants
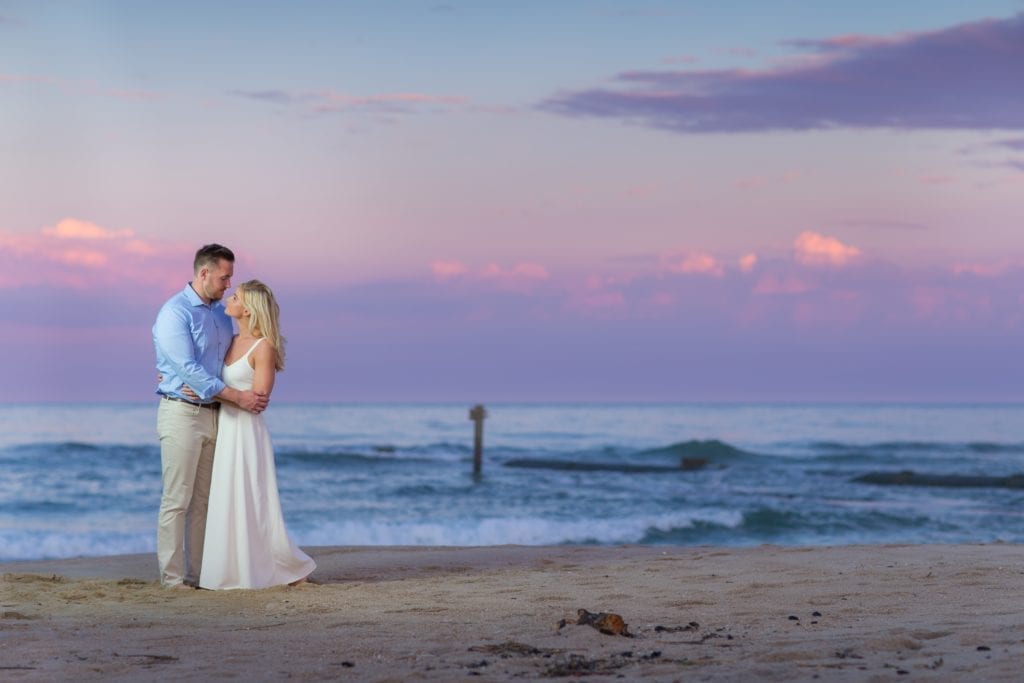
188	435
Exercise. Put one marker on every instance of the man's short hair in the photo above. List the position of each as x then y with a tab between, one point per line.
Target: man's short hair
209	254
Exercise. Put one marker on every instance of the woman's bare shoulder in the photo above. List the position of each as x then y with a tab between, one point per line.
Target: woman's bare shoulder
264	350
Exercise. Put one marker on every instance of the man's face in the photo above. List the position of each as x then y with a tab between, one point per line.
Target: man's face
216	278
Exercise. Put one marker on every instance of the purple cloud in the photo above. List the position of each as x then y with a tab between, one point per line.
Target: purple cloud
776	330
964	77
1015	144
272	96
331	101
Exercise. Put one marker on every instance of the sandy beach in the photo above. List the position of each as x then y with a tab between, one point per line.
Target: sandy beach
858	613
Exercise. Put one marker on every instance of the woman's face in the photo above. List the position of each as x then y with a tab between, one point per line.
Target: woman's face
234	306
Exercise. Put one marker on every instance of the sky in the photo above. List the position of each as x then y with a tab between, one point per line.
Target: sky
600	200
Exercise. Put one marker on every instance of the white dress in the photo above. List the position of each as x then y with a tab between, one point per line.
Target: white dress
247	545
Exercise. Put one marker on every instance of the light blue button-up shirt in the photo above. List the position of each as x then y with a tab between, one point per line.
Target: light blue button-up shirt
191	340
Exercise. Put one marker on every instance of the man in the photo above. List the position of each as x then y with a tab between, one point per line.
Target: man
191	335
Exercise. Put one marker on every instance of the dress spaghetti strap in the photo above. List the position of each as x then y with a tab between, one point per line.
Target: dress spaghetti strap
254	345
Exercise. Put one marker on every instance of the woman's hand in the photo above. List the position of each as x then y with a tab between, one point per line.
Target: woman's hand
187	390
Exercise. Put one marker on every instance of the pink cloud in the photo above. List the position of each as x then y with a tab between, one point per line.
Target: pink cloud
17	78
748	262
694	263
140	247
16	244
772	293
595	296
814	249
522	277
444	270
526	271
81	257
77	254
982	269
72	228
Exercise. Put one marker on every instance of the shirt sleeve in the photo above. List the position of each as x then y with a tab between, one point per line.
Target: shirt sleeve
174	340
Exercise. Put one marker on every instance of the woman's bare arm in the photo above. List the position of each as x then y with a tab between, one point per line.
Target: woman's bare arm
263	360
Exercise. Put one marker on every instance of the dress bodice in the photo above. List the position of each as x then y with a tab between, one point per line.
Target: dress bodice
239	375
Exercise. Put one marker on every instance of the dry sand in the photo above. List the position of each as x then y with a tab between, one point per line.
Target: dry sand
862	613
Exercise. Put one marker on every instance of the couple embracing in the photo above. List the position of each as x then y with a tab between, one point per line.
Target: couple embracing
220	523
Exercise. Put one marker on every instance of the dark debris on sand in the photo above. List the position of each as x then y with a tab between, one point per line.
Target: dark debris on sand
608	623
578	665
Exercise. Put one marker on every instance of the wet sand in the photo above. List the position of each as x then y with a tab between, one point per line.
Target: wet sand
854	613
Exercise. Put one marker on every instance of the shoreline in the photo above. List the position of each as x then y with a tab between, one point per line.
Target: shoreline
939	612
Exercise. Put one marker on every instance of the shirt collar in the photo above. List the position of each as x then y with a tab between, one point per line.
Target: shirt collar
192	297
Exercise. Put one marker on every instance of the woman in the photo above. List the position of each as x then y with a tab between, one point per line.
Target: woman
247	545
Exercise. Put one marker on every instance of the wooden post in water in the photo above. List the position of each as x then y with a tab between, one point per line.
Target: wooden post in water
477	414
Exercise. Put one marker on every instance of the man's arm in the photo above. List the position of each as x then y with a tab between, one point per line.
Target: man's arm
174	342
252	401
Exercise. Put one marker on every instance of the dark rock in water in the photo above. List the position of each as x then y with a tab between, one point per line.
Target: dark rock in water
686	465
537	463
911	478
710	449
693	455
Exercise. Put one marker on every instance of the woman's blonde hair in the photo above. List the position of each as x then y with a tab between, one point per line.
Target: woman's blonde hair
264	315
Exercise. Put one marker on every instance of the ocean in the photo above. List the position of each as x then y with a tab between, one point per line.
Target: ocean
83	480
